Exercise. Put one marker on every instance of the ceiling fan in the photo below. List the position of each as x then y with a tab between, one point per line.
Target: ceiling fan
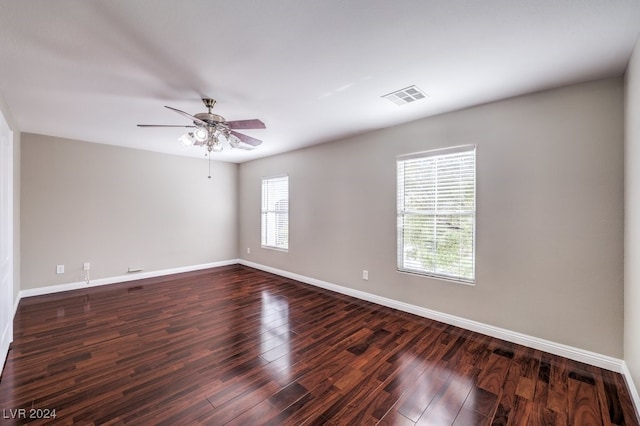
209	128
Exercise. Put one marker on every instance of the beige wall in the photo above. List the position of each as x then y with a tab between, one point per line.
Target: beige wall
632	218
550	217
549	214
118	208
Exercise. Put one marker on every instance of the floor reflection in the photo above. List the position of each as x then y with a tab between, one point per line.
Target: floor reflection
275	333
453	390
439	393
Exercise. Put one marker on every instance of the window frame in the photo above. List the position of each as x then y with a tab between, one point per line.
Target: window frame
401	213
265	212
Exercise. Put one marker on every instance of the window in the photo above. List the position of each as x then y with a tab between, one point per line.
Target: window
436	213
275	212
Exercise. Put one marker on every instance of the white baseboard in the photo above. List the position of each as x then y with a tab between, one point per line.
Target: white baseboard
118	279
7	337
633	390
581	355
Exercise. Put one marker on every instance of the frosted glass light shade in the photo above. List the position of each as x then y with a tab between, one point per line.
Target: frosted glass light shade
200	134
186	139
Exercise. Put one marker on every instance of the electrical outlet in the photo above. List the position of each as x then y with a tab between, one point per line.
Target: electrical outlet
248	250
86	266
60	269
365	275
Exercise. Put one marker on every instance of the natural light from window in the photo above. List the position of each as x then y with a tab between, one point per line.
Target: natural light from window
275	212
436	213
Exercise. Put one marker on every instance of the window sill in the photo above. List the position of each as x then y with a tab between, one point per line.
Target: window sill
275	249
438	277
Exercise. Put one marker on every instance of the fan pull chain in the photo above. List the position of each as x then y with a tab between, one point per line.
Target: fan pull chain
209	165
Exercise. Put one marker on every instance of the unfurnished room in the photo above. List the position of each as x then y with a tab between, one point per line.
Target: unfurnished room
355	212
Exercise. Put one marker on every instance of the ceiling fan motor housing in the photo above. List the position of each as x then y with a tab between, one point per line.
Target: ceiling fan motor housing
209	118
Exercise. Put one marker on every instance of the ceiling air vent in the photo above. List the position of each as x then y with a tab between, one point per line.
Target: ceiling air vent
406	95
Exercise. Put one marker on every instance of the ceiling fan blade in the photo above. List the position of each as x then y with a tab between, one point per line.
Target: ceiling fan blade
246	124
246	148
163	125
189	116
246	139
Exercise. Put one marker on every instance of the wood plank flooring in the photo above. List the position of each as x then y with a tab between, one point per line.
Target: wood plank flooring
238	346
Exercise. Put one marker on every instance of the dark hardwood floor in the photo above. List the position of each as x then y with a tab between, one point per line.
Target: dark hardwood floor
237	346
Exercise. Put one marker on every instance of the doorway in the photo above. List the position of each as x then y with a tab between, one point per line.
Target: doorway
6	238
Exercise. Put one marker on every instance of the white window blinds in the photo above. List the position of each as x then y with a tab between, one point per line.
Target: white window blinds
275	212
436	213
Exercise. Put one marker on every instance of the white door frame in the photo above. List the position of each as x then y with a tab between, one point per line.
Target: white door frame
6	239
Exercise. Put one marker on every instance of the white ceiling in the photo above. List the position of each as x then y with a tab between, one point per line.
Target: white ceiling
312	71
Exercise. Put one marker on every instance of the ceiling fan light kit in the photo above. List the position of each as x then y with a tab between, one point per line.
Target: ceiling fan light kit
187	139
200	134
